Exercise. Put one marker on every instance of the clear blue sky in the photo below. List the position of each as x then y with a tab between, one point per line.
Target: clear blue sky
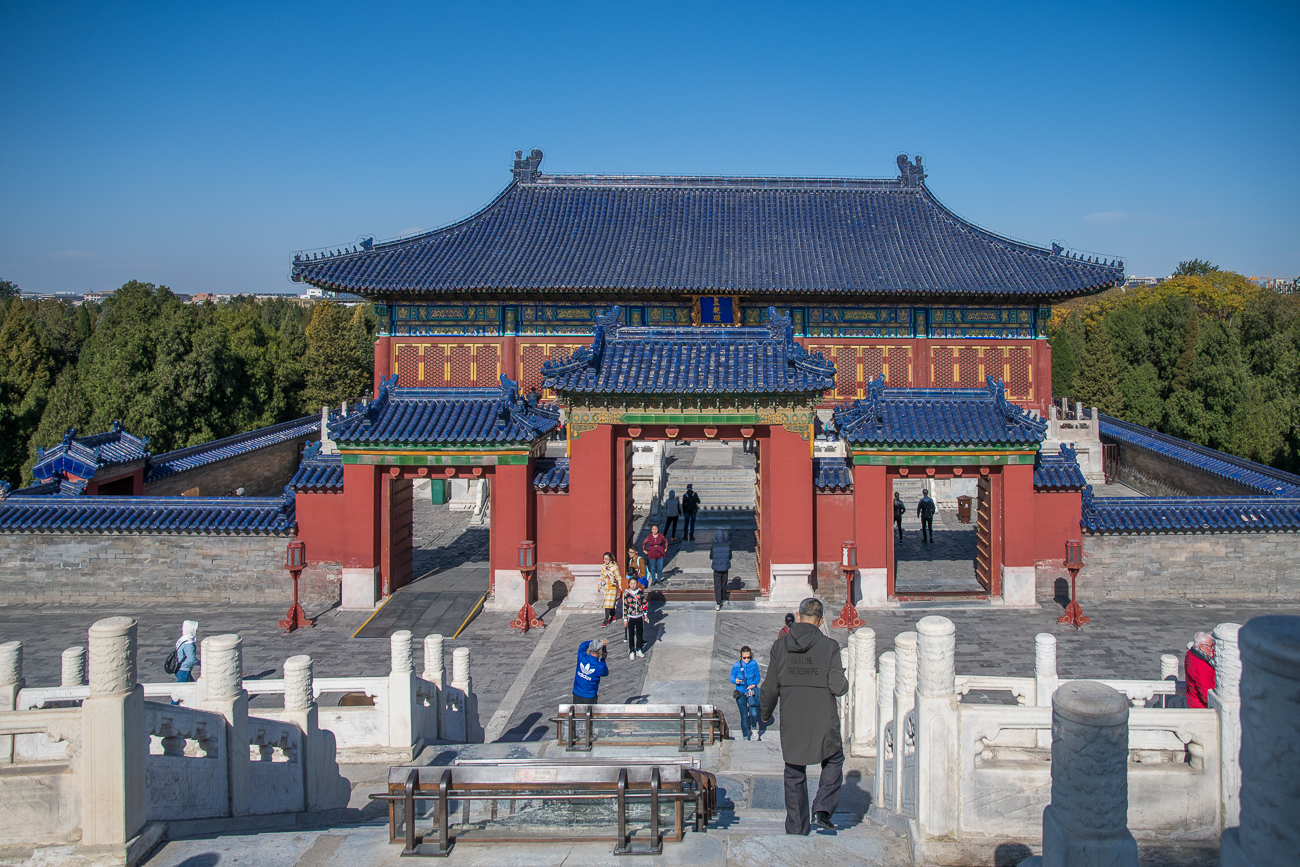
199	144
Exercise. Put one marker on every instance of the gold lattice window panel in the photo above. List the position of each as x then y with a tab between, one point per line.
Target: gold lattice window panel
942	363
873	363
968	367
460	361
531	356
846	372
1020	385
408	366
488	364
898	360
993	364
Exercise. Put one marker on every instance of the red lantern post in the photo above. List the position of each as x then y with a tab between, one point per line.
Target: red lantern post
528	618
1074	562
295	560
849	618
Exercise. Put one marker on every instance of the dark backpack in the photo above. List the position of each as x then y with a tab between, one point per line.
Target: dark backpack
173	663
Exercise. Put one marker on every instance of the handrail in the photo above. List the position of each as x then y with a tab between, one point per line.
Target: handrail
31	722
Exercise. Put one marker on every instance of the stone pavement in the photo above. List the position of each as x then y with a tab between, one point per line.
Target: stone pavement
945	565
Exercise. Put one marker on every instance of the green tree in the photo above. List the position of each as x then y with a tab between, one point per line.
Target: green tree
1065	342
1140	387
1097	383
339	360
66	407
8	289
26	373
290	369
1194	267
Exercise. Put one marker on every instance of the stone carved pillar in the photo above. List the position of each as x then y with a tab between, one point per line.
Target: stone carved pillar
73	671
223	693
884	716
848	663
460	707
1268	833
115	743
1225	700
434	674
1168	666
323	788
937	736
401	693
1086	824
11	681
904	701
864	690
1045	679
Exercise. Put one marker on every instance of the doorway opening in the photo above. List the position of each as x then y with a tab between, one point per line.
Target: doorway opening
952	564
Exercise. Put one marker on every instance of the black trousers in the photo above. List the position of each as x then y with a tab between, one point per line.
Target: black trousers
635	633
898	522
798	818
688	526
582	699
719	586
670	525
927	527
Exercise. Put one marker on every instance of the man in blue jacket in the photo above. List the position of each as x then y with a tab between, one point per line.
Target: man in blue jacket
591	668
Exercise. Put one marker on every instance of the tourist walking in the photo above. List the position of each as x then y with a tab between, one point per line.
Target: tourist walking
1198	669
690	506
900	509
611	584
720	554
672	508
636	568
187	653
591	668
805	675
655	547
746	682
635	602
925	510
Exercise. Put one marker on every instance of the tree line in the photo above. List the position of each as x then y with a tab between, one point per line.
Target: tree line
1206	355
180	374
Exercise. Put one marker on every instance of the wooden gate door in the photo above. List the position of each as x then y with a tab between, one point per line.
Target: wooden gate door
629	501
396	535
758	515
984	534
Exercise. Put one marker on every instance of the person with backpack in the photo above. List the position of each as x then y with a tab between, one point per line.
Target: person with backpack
636	568
690	507
672	509
182	660
746	682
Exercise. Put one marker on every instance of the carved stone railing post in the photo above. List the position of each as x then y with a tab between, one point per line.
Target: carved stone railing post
937	736
401	693
73	671
223	693
11	681
885	795
904	701
1086	824
435	673
323	788
1045	678
460	707
1268	833
848	661
115	743
865	701
1225	700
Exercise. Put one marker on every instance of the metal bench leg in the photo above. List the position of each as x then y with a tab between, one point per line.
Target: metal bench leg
656	840
623	847
408	805
444	832
591	733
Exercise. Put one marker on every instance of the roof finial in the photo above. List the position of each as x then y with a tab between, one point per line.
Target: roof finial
527	169
911	174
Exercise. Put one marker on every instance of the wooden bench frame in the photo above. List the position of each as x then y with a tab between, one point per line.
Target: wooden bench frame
530	781
699	725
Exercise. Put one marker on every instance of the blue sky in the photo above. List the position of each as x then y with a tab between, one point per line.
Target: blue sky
199	145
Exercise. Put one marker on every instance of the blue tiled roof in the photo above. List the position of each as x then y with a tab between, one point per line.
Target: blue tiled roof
1058	472
832	474
83	456
552	475
164	465
425	416
697	235
1249	474
1190	514
318	472
163	515
930	417
623	360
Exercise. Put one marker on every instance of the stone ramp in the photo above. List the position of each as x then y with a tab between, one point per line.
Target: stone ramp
440	602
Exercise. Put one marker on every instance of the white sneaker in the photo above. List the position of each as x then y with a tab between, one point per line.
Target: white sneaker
717	608
640	655
631	655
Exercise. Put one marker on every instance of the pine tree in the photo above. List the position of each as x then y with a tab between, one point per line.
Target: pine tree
1065	358
339	361
1097	383
26	373
67	407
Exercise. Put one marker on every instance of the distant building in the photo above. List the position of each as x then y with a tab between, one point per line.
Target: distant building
1132	282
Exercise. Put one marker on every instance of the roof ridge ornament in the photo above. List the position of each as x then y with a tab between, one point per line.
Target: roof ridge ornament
911	174
525	170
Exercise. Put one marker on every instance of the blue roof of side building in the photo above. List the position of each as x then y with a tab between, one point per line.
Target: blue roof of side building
832	474
1258	477
488	416
552	475
82	456
700	235
935	417
1058	472
318	472
155	515
170	463
1121	515
710	360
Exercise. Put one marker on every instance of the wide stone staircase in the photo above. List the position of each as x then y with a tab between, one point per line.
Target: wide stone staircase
723	475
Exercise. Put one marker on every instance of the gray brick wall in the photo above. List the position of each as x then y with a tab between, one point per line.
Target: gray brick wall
94	569
1158	476
261	473
1183	566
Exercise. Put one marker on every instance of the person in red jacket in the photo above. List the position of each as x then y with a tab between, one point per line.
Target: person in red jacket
655	547
1198	668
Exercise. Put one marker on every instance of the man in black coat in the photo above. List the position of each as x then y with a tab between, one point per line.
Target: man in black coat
805	673
900	509
925	511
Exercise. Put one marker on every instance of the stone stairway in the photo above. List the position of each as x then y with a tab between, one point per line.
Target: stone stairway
723	475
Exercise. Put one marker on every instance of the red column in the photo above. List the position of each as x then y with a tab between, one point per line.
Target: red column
1018	515
361	504
513	515
872	522
510	357
789	466
1043	376
383	361
591	495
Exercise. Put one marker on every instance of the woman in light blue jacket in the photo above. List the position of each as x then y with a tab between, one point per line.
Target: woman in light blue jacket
745	683
186	652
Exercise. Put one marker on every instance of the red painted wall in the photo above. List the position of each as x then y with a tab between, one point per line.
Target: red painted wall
788	464
871	516
591	493
1056	519
1018	517
320	516
512	515
360	528
835	525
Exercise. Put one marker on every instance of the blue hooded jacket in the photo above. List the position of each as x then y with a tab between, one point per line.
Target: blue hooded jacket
748	673
586	680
